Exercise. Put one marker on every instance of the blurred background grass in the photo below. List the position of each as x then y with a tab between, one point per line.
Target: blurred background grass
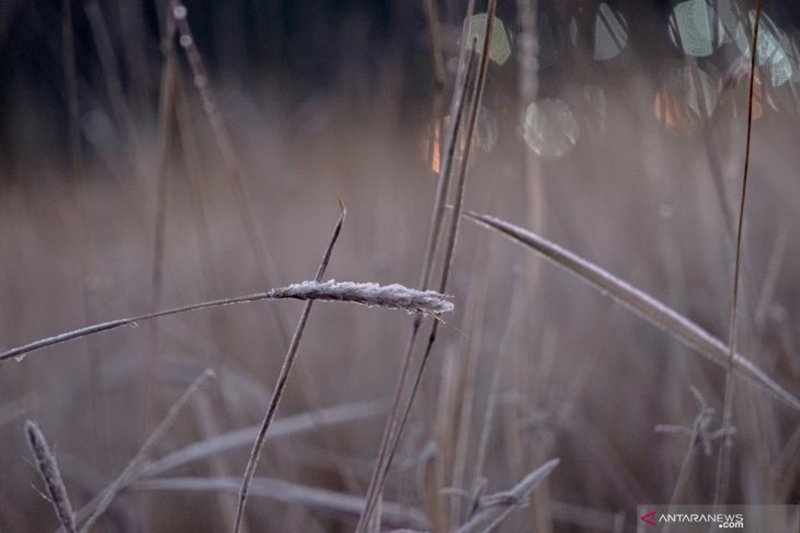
637	138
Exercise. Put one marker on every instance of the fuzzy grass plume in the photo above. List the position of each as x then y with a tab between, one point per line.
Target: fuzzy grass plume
393	296
48	469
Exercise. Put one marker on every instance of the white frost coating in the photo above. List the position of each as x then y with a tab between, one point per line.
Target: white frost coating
394	296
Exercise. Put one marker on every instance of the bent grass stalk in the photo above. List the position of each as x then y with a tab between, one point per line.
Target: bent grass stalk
652	310
393	296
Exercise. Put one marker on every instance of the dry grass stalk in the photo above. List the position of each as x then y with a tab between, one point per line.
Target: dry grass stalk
699	435
767	291
345	505
167	101
452	235
48	469
467	383
536	215
434	234
133	465
283	427
208	422
283	376
496	507
490	414
528	87
435	38
236	179
644	305
397	421
392	296
114	81
85	231
71	87
179	16
723	468
457	107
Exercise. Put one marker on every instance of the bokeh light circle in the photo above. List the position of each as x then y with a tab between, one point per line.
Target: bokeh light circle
549	127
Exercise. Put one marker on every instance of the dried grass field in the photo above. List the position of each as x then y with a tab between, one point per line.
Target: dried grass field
565	261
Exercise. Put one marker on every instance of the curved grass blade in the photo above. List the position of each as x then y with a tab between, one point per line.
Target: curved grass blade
110	492
345	506
282	427
644	305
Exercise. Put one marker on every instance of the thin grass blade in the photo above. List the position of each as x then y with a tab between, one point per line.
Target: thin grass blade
283	427
644	305
159	432
283	377
307	497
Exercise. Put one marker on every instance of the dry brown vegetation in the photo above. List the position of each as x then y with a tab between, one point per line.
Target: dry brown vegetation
630	341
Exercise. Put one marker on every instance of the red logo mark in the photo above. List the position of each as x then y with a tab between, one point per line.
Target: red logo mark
649	518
